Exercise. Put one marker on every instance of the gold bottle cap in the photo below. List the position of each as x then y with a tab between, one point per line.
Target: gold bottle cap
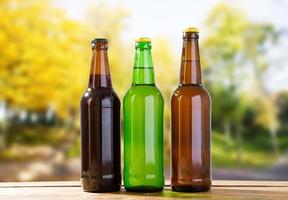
144	39
191	30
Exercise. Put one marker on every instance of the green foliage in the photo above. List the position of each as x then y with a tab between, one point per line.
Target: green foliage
45	62
254	155
236	43
74	150
282	104
37	135
236	48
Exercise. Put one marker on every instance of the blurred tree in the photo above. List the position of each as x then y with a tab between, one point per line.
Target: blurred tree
41	58
45	56
108	21
165	64
234	46
222	51
282	105
259	39
166	71
121	55
41	54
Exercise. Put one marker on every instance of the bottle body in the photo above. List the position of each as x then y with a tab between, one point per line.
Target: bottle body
143	139
190	139
190	123
100	140
143	126
100	127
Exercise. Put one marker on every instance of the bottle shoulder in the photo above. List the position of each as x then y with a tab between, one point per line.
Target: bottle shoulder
105	95
143	91
191	91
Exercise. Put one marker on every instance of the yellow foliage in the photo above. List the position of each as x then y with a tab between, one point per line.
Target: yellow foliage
267	113
45	57
42	57
167	69
109	22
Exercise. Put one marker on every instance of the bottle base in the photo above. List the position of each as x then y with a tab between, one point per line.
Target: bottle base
144	189
197	186
98	186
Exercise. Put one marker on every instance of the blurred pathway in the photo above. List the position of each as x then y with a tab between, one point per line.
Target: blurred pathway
279	171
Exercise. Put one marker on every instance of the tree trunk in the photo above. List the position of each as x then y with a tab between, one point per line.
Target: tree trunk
2	140
3	130
274	140
239	142
227	132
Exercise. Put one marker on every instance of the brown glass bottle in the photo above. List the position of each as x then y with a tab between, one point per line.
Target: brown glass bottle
100	127
191	125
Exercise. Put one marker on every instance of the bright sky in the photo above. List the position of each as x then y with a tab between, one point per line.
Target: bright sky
154	18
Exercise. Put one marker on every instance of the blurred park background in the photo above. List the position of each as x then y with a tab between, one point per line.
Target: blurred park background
44	67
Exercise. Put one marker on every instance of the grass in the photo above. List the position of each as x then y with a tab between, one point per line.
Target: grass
25	143
224	154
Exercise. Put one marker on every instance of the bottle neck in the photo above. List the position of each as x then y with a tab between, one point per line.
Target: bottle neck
190	64
100	74
143	72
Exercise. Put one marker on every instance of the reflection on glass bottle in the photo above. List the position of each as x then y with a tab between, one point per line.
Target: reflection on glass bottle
190	123
100	127
143	126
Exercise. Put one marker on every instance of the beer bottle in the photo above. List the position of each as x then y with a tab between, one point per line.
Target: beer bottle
100	127
191	125
143	126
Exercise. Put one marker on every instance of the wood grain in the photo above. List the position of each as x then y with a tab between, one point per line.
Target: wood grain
71	190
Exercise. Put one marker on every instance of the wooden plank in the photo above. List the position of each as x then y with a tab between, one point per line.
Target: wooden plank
75	193
226	183
215	183
71	190
41	184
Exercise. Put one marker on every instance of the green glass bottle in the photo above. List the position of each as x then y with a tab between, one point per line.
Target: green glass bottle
143	126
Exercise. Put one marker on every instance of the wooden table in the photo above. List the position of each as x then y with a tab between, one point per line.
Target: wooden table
71	190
